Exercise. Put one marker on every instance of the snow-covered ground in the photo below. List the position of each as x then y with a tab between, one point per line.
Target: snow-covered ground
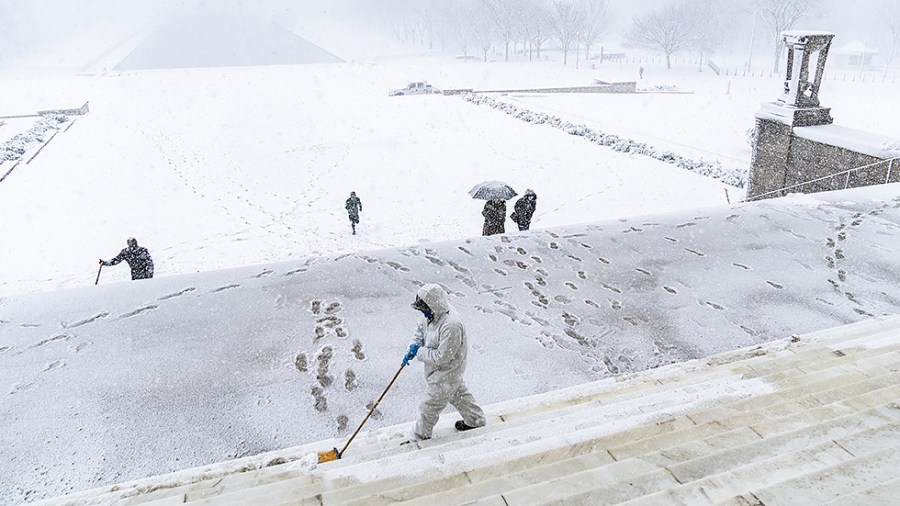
248	168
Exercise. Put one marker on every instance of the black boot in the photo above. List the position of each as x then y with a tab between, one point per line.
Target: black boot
461	426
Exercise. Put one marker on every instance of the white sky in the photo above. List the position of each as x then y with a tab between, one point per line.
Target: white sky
235	180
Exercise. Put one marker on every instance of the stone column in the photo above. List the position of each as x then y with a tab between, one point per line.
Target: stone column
798	106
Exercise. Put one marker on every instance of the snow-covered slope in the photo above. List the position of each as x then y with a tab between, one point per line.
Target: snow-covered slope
216	168
124	380
808	419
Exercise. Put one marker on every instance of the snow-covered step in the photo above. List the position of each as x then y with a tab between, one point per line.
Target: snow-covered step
799	463
872	332
472	442
757	421
847	477
389	483
455	449
726	484
606	417
883	494
776	442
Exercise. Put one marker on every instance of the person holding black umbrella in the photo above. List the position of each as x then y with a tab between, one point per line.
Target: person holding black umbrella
494	217
496	193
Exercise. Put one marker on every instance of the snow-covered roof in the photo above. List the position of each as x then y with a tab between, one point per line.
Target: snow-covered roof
854	47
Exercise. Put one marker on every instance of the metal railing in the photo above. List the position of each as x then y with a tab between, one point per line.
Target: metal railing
848	172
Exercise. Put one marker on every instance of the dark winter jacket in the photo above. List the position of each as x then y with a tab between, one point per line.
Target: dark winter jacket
525	209
138	259
494	217
353	207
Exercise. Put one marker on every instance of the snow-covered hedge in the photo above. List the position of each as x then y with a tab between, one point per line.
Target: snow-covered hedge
14	148
711	169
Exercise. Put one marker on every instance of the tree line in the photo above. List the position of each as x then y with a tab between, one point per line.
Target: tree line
574	27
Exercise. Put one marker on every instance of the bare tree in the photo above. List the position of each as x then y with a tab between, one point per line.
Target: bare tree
596	22
459	28
890	14
781	15
566	21
706	19
667	30
503	12
481	27
532	16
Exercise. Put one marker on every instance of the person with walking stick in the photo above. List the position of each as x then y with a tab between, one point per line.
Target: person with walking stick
138	259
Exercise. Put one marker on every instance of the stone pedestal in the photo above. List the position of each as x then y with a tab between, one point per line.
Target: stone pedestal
798	106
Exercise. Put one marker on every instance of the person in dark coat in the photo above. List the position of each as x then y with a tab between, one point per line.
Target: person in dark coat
353	207
494	217
138	259
524	209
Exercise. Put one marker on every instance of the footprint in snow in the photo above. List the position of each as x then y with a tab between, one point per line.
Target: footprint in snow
139	311
301	363
177	294
86	321
350	382
357	350
56	364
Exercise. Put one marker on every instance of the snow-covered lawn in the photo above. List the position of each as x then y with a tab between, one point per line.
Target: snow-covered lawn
631	263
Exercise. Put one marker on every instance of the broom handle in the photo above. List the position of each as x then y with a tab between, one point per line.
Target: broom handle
372	410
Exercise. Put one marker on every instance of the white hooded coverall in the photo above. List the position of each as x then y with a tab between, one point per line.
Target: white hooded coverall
444	348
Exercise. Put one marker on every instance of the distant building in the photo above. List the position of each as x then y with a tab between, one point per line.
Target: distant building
852	54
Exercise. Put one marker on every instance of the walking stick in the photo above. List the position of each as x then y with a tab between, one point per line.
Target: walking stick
334	454
98	274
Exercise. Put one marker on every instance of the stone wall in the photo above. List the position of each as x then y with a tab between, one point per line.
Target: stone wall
784	162
826	166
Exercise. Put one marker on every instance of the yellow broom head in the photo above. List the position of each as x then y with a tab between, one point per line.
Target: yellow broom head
329	456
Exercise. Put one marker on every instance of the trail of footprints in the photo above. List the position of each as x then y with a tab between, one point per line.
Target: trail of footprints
836	256
76	347
329	323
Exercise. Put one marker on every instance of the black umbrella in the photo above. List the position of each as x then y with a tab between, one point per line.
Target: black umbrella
492	190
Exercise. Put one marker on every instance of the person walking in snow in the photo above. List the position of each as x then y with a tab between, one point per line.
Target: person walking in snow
353	207
641	72
494	213
524	209
440	343
138	259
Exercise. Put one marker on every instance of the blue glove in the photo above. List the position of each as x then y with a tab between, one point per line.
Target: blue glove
411	354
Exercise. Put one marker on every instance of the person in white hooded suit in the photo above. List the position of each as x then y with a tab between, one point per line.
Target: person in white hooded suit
440	343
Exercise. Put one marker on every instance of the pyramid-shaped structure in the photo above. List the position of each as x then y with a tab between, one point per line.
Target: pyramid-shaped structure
221	37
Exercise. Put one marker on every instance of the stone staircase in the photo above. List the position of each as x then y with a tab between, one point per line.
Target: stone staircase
813	419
